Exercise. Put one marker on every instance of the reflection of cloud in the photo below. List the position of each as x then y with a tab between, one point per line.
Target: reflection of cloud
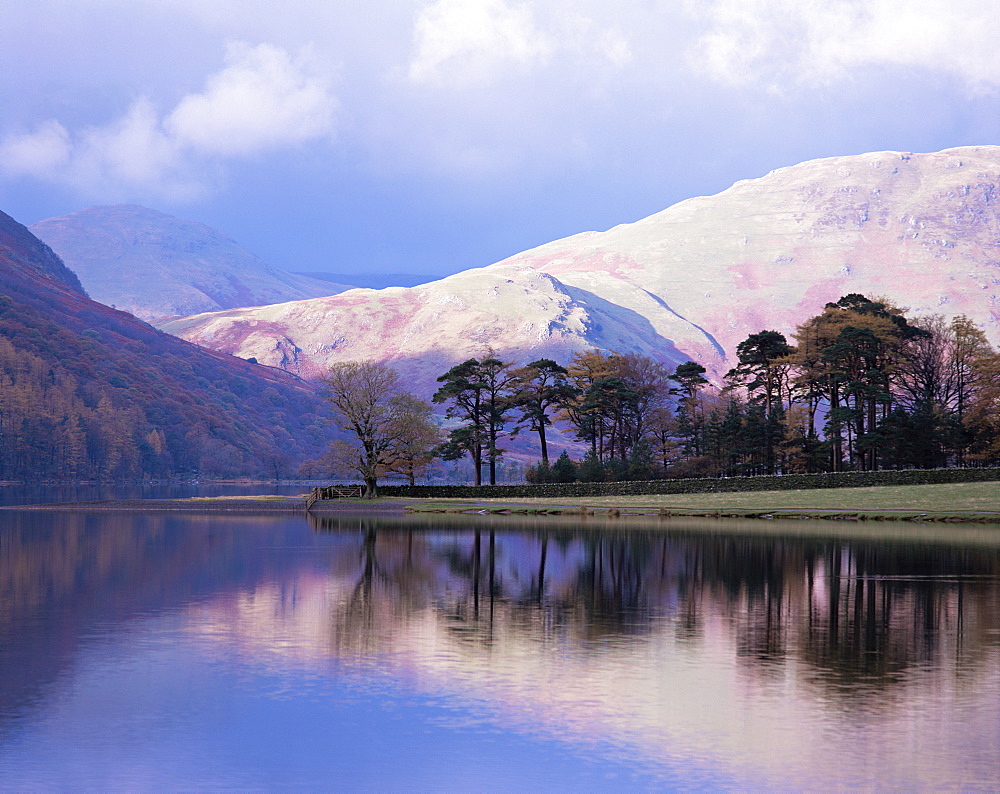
262	100
787	42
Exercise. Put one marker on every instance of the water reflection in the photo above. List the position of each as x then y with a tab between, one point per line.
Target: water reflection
34	494
860	612
807	656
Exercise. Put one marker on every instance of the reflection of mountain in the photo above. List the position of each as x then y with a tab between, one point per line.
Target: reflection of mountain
790	656
62	579
652	640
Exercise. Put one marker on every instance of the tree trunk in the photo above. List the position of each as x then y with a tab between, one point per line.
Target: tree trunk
492	454
541	440
371	488
477	463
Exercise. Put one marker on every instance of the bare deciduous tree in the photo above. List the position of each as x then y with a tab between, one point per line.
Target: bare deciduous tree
385	420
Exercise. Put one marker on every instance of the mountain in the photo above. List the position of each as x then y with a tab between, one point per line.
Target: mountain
423	331
372	280
27	262
692	281
155	265
88	391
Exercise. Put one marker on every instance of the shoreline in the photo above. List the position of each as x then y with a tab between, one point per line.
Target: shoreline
781	513
279	505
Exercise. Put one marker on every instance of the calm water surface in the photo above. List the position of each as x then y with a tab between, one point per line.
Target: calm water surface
143	652
34	494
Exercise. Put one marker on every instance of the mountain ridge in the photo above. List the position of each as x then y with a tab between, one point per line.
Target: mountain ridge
92	392
688	282
155	265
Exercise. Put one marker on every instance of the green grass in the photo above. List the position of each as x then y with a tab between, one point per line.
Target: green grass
950	497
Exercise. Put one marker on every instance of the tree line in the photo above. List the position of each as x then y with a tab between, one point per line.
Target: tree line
124	402
860	386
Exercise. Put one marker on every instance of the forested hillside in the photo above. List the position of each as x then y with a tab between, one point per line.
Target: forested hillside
87	391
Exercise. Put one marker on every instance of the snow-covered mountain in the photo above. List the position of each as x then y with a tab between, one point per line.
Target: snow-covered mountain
689	282
155	265
514	310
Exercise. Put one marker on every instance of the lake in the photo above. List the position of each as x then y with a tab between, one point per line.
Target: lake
162	651
33	494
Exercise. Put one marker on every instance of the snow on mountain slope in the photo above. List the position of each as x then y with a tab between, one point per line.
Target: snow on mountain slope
425	329
689	282
155	265
922	229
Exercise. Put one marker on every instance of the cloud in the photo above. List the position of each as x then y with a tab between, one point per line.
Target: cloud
133	152
38	153
470	42
782	43
261	101
476	36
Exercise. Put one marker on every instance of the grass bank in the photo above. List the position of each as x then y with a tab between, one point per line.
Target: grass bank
973	501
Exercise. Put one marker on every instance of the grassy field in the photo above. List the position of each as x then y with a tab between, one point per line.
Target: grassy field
958	500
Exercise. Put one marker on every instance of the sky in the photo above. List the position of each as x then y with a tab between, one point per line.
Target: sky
432	136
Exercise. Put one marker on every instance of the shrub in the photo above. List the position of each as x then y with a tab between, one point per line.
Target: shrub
564	469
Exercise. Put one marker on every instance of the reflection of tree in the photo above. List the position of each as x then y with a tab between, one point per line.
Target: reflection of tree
395	579
858	614
885	612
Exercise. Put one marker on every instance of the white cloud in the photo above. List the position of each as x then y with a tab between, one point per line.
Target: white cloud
263	100
132	152
471	39
807	42
41	152
471	42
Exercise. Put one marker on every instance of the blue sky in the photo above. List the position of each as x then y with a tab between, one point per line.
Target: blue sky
431	136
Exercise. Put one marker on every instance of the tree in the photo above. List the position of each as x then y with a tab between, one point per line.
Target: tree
762	370
590	469
369	403
584	370
564	469
607	409
981	413
690	379
461	385
478	391
415	450
497	380
849	357
662	433
538	388
615	397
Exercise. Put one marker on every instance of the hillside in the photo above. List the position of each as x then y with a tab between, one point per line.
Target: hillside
88	391
689	282
372	280
155	265
425	330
